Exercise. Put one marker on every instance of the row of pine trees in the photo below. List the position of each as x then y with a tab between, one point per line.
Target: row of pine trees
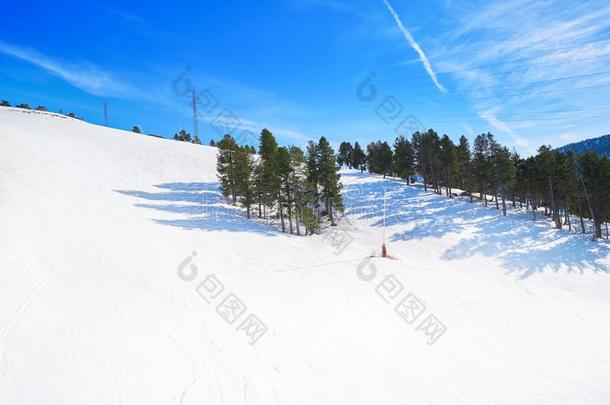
298	188
561	184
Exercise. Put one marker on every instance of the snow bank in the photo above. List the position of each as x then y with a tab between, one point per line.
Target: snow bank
107	236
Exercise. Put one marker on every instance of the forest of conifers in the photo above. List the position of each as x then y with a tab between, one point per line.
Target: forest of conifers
301	187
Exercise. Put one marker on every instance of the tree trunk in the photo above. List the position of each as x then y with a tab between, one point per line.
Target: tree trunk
503	205
595	235
289	214
598	229
582	225
554	211
281	208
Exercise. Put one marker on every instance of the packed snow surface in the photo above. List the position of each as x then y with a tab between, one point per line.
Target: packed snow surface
107	236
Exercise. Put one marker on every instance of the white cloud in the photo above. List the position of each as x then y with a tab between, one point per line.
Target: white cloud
526	67
422	56
490	117
85	77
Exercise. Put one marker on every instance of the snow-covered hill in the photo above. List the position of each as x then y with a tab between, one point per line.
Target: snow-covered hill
114	248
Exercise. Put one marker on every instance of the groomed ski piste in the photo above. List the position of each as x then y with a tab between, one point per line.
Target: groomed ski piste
126	279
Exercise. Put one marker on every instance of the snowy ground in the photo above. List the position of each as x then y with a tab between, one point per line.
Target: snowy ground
96	225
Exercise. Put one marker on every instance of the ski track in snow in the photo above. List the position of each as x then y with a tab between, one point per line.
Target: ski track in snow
94	223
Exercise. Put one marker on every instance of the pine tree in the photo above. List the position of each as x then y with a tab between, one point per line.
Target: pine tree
481	165
379	158
426	145
494	152
225	167
182	136
196	140
358	157
312	178
403	160
284	175
547	159
244	177
464	166
506	174
297	183
136	129
595	176
269	175
329	179
448	159
212	142
344	157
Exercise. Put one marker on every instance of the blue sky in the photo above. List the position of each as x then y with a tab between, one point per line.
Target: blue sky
530	72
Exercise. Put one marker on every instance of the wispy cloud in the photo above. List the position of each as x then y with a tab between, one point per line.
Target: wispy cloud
422	56
529	69
490	117
86	77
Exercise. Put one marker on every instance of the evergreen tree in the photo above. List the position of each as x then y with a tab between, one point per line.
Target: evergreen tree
595	176
495	149
379	158
344	157
329	177
448	161
182	136
196	140
244	177
212	142
136	129
5	103
284	176
506	174
226	168
358	157
312	178
481	165
426	145
403	160
297	182
270	182
464	166
547	161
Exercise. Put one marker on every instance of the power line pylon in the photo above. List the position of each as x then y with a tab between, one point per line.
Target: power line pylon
195	124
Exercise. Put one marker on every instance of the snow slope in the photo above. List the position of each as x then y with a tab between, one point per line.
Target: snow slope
96	224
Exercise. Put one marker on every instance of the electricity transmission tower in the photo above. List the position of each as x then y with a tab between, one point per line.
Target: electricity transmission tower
195	124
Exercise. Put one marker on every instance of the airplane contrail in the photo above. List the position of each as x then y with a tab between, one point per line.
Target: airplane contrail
415	45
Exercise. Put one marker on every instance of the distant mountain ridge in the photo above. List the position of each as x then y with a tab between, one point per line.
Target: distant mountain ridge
600	145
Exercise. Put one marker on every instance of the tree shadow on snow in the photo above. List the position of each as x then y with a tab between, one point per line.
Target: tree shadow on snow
522	246
198	206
